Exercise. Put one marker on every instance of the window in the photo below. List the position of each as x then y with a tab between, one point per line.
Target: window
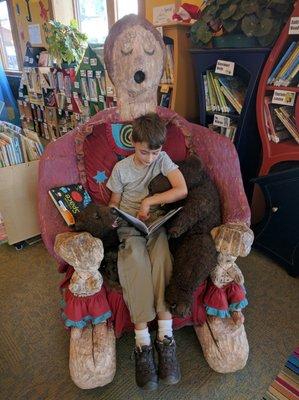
92	16
7	47
93	20
124	7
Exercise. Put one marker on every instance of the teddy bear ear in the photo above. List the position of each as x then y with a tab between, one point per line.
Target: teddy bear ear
214	232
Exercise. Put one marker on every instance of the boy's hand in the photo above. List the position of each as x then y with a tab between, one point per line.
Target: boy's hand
143	213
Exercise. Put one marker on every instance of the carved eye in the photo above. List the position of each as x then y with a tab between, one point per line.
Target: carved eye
126	47
97	216
126	52
149	52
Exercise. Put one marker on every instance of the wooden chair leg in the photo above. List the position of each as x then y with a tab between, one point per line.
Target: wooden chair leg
224	344
92	360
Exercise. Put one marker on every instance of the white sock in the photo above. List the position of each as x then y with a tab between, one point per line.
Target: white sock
142	337
165	328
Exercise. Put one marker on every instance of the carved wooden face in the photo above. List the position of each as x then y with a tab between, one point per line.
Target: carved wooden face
138	63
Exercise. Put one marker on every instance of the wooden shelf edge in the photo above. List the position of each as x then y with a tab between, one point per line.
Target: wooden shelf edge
287	88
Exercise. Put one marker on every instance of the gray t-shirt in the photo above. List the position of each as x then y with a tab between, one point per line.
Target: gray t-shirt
132	181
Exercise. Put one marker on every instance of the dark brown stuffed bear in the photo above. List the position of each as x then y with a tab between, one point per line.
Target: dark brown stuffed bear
191	244
99	221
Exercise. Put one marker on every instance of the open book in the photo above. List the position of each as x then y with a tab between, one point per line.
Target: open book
141	226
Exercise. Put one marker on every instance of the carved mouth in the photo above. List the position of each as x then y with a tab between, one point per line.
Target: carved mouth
135	93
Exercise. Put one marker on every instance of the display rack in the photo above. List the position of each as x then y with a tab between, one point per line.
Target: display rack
286	150
248	64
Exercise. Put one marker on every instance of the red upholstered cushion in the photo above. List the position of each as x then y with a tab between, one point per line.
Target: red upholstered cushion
102	149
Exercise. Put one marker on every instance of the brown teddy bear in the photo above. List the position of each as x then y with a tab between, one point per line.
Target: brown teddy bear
98	220
191	244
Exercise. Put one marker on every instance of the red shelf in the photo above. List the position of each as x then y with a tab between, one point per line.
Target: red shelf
288	88
286	146
274	153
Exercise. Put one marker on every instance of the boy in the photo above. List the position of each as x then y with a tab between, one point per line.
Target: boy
144	264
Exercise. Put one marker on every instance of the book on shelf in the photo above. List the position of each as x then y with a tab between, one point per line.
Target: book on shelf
229	132
168	73
141	226
70	200
285	72
276	131
234	89
18	145
287	117
165	99
224	94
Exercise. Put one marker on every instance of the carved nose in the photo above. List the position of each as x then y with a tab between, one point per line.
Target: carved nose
139	76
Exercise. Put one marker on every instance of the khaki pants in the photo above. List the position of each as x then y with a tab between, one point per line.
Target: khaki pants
144	268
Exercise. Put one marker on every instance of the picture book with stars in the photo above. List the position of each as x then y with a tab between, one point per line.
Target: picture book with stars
70	200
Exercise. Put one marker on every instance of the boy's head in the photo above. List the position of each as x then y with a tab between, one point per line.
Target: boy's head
148	137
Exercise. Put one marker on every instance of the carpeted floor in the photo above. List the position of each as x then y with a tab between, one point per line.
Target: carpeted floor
34	345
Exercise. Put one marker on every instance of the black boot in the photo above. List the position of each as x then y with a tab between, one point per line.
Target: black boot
169	369
145	369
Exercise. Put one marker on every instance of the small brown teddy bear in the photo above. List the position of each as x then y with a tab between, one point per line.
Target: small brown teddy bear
191	243
100	222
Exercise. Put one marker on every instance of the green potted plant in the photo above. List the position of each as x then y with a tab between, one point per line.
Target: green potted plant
240	23
65	43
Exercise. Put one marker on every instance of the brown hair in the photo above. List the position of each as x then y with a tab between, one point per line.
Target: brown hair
150	129
121	25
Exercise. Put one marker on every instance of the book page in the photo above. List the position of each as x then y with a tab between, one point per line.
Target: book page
141	226
137	223
161	220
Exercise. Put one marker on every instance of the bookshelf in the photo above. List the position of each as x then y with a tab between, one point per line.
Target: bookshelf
54	100
285	150
274	207
182	90
248	64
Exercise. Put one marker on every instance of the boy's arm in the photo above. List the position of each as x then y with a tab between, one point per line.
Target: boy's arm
177	192
115	200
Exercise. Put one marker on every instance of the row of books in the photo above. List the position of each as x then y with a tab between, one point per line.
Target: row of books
280	122
49	122
223	93
165	99
54	100
229	131
168	73
286	72
18	145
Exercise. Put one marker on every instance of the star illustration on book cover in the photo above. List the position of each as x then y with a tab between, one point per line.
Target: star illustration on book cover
100	177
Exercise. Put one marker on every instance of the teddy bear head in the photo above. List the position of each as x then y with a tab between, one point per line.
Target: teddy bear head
134	55
99	221
80	250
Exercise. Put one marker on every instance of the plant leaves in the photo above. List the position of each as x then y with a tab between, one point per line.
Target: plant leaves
249	6
65	42
203	34
229	25
209	12
228	12
264	27
249	25
238	14
269	39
